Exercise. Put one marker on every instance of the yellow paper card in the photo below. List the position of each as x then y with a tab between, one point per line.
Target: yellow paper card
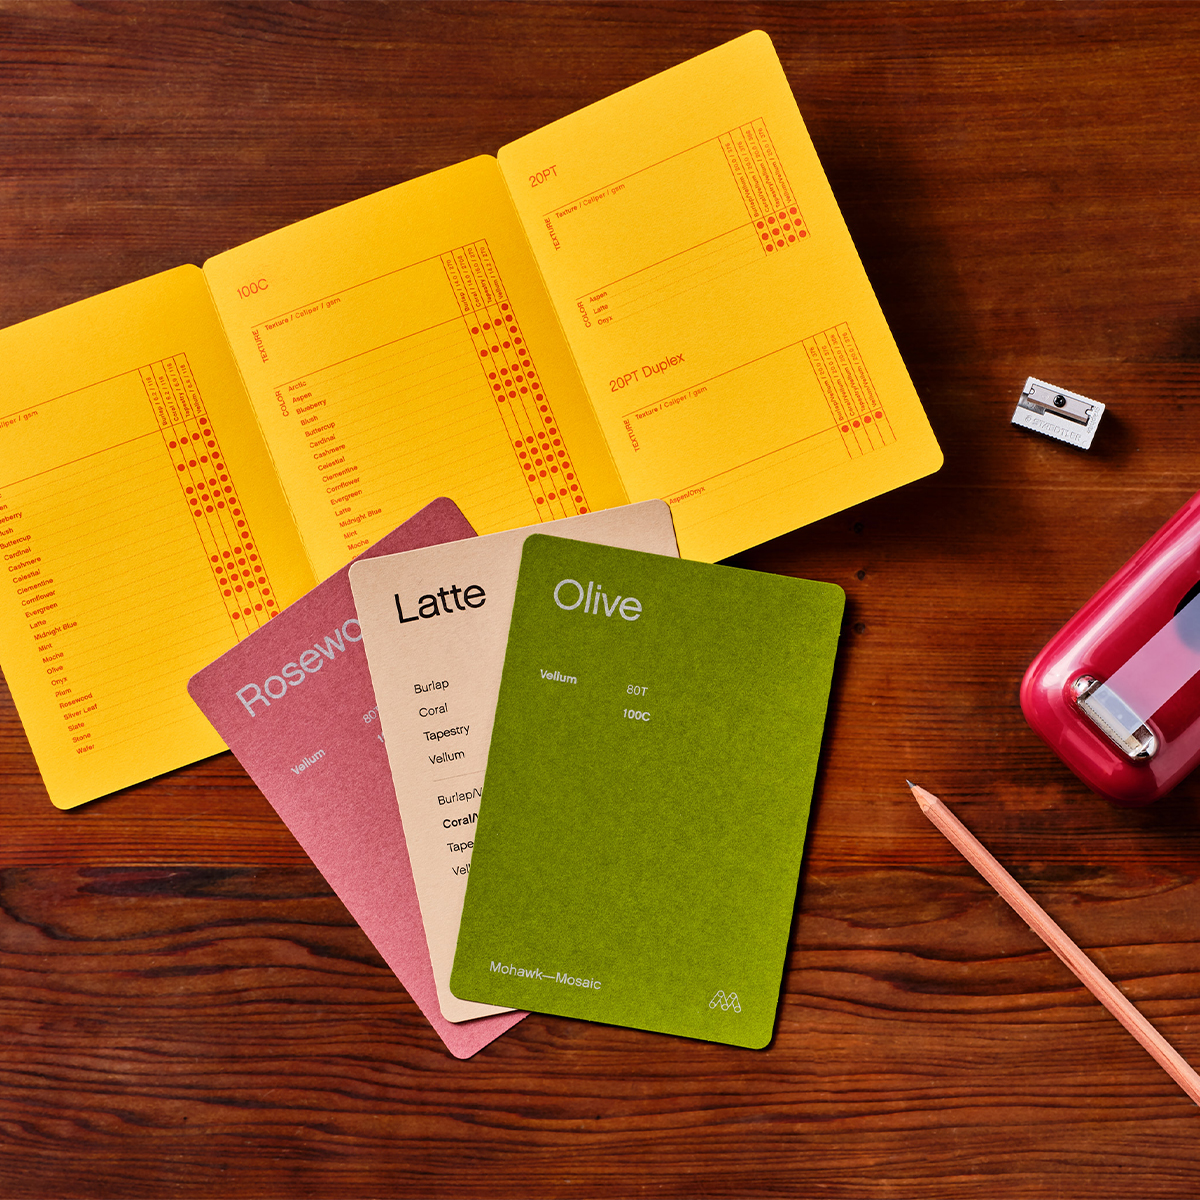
731	345
403	347
655	297
141	530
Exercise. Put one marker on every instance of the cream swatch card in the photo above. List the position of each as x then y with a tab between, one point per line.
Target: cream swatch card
435	627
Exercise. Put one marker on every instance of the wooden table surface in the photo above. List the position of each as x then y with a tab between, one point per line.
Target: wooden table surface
185	1008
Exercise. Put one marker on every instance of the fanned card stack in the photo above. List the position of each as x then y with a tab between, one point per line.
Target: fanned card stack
566	765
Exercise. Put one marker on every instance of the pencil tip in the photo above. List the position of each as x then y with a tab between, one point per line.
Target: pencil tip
909	782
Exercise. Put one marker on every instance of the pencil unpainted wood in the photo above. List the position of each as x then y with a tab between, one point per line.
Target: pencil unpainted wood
1036	917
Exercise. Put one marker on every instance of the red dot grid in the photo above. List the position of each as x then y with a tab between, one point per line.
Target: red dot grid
856	424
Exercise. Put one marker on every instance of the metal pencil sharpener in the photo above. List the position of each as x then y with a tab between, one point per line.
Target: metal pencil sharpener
1057	413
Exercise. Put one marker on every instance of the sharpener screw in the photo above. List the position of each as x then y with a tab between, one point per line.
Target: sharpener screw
1060	402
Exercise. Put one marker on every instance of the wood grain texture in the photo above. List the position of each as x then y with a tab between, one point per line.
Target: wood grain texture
186	1010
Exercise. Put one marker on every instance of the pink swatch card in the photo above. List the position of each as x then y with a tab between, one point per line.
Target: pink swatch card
294	702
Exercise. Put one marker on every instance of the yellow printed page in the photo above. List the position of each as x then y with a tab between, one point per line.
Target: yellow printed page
730	342
402	347
142	533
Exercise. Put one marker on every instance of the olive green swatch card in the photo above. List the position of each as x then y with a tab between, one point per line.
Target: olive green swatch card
647	791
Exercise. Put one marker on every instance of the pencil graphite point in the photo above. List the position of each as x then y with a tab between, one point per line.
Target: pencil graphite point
925	799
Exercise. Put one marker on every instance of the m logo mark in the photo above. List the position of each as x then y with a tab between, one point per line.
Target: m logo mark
725	1001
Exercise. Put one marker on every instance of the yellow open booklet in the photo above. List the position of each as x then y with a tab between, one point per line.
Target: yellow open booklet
653	297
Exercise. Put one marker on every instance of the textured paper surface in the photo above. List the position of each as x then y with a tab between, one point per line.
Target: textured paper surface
436	678
732	347
142	526
647	792
294	702
404	347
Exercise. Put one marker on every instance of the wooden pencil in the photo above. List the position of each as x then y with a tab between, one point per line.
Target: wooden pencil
1040	922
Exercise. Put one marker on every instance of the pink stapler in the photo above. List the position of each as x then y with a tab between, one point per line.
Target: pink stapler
1116	692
